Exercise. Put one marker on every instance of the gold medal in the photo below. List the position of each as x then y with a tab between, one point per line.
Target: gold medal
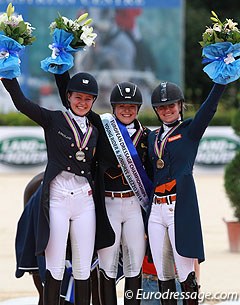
160	163
80	155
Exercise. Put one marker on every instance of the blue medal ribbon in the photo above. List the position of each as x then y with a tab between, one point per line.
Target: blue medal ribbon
137	161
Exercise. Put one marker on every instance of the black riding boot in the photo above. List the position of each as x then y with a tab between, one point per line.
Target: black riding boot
167	289
108	294
51	290
95	287
132	284
82	292
38	285
190	286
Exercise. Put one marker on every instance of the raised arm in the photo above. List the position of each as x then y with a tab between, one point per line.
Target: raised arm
38	114
62	81
206	112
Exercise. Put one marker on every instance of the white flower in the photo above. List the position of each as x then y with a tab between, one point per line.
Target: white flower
226	31
231	25
76	26
82	34
88	36
209	31
68	22
10	24
217	27
18	18
65	20
3	18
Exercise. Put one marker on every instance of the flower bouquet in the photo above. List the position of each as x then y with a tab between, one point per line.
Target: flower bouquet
68	37
221	49
16	35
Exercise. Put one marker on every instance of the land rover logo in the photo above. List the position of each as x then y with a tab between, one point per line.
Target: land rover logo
216	150
23	151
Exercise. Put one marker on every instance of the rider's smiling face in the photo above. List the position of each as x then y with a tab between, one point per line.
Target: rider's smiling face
126	113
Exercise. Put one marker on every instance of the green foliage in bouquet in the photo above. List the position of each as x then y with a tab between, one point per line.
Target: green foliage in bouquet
220	32
15	27
82	34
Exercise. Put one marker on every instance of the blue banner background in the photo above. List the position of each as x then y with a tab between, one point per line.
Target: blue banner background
159	23
97	3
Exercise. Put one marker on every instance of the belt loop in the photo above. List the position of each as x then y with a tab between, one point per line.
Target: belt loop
112	197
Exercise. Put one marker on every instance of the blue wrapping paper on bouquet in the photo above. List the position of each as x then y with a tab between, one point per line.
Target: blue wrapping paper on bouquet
9	57
222	67
61	59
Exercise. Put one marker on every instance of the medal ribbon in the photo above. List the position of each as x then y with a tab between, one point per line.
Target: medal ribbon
159	150
137	136
80	143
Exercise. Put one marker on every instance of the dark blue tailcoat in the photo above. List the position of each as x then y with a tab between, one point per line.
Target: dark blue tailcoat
179	156
25	242
61	150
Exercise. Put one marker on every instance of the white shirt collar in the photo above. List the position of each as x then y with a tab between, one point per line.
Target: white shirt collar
81	121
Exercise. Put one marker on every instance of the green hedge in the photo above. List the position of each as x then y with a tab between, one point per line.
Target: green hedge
221	118
15	119
147	117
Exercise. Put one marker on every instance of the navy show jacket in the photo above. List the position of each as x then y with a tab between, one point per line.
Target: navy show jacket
179	157
61	150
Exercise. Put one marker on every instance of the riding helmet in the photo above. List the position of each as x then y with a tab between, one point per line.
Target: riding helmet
126	93
166	93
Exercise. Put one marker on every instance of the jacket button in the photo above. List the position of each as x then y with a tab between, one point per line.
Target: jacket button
86	148
69	156
72	145
68	168
82	172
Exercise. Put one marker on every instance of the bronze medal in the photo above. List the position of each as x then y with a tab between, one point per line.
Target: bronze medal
80	155
160	163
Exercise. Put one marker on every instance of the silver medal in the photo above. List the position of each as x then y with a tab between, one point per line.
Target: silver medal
80	155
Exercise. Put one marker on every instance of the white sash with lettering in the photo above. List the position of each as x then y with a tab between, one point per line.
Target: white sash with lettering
124	158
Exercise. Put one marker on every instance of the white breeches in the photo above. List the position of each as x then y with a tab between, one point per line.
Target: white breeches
71	211
126	220
162	243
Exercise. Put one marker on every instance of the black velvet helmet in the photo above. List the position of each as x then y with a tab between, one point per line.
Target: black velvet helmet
166	93
126	93
83	82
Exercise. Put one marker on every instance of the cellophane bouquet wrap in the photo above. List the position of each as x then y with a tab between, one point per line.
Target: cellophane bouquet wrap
15	34
69	36
221	50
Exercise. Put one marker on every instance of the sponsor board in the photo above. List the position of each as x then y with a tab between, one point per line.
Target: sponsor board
217	147
23	151
22	148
